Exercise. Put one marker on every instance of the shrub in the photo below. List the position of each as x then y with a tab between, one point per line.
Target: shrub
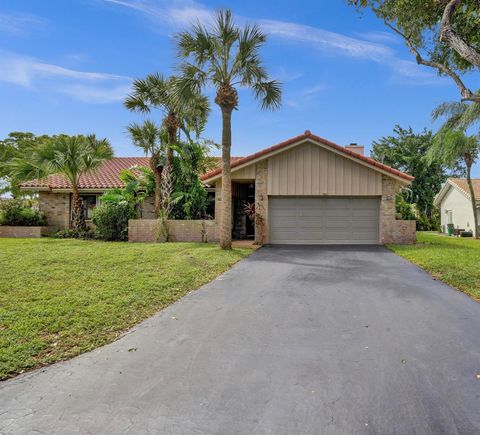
16	212
74	234
111	220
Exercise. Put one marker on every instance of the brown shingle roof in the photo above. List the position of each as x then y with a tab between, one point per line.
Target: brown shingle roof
304	136
462	184
105	177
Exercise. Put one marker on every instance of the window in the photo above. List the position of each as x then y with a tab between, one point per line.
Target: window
89	203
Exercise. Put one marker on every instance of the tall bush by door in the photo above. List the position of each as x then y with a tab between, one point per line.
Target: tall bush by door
225	56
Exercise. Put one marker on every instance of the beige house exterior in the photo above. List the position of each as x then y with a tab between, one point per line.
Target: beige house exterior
455	205
308	190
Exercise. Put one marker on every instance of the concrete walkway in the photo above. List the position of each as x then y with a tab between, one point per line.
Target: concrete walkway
292	340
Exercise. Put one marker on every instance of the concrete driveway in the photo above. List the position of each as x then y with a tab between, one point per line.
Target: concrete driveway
293	340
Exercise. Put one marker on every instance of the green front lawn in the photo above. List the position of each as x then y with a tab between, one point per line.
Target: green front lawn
59	298
454	261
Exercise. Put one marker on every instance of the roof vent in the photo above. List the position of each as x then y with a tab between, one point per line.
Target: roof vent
356	148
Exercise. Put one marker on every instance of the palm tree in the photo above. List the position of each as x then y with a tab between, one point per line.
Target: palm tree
451	144
70	156
158	92
226	57
148	137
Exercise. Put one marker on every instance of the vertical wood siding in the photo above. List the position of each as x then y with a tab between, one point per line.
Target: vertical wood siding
312	170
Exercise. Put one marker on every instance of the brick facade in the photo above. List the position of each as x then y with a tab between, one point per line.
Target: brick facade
145	230
56	207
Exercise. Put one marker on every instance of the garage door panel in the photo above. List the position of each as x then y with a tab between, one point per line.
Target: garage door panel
321	220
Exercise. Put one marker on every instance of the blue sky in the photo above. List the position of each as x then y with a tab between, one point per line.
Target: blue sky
65	67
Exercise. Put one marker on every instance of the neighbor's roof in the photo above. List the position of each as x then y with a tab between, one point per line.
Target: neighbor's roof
107	176
462	185
308	135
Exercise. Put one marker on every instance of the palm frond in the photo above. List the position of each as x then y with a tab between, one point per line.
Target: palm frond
269	93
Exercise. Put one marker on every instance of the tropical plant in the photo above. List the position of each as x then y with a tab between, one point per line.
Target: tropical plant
158	92
139	185
440	34
190	200
406	151
226	57
453	146
148	137
70	156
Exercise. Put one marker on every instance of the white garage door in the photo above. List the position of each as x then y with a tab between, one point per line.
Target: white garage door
320	220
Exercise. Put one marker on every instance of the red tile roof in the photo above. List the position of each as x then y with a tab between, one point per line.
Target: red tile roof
105	177
304	136
462	184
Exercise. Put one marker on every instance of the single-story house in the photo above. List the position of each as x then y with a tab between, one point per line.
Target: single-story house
306	190
55	191
455	204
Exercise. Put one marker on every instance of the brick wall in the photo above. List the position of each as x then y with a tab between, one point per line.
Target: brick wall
144	230
392	230
56	207
22	232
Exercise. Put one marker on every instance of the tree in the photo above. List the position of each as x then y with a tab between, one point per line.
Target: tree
406	151
441	34
226	57
70	156
148	137
452	146
157	92
190	199
15	145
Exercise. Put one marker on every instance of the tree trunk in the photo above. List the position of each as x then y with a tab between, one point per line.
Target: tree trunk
167	172
469	162
78	218
226	218
451	38
158	182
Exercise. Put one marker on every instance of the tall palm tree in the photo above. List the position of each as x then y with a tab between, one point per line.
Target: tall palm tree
226	57
451	144
158	92
70	156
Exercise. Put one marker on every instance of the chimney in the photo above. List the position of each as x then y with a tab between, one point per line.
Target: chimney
355	148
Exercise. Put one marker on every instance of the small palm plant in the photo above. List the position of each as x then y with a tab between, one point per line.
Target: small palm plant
226	57
70	156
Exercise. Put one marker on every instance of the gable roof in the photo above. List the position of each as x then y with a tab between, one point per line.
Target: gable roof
106	176
215	173
460	184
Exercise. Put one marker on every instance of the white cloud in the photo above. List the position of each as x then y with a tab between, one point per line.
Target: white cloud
313	90
95	87
176	14
326	40
371	46
19	24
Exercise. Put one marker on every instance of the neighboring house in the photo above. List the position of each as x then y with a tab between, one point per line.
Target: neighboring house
455	204
308	190
55	191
